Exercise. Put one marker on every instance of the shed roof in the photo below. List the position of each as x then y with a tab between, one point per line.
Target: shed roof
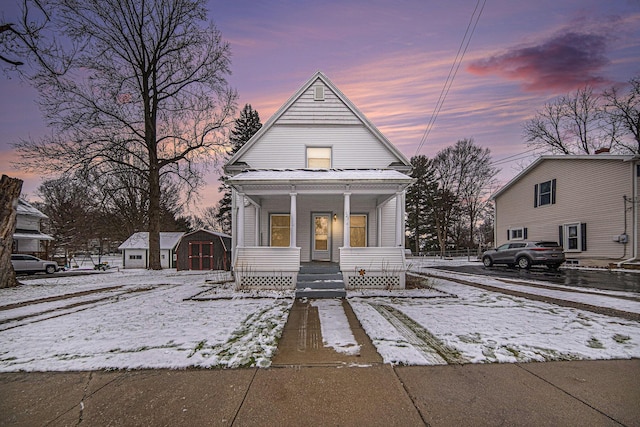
140	240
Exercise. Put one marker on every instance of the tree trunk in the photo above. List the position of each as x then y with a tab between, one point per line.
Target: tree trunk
154	219
9	192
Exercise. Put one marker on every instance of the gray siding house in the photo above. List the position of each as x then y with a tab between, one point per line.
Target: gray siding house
587	203
318	183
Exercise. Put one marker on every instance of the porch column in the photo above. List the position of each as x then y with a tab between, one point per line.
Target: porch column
347	222
257	226
292	221
240	228
399	218
379	225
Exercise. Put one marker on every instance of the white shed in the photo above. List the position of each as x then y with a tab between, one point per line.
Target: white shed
135	250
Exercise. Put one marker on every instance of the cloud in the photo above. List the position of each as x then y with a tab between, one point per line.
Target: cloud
567	61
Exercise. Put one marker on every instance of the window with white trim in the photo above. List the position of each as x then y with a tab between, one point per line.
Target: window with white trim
358	231
280	232
573	237
135	256
517	233
319	157
545	193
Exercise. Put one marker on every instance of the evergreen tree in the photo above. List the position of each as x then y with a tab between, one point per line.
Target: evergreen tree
419	205
245	127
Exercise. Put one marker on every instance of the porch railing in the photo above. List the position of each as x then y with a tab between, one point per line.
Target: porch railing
373	267
266	267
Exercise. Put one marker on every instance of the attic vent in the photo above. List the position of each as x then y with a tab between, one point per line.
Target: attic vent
318	93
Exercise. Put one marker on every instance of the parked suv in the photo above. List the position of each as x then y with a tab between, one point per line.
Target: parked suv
30	264
524	254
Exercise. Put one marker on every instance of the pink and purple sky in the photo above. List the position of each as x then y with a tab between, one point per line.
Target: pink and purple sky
392	58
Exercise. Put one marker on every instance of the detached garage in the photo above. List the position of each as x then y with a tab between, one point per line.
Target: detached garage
135	250
204	250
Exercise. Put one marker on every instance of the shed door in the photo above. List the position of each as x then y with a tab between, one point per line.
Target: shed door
321	244
200	255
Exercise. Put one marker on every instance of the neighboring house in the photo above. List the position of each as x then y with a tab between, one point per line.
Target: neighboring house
28	239
204	250
587	203
135	250
318	182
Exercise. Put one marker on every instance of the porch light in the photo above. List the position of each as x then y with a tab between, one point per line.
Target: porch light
335	217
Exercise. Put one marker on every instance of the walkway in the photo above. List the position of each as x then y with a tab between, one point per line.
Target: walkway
309	384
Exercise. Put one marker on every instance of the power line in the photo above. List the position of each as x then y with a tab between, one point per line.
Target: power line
462	49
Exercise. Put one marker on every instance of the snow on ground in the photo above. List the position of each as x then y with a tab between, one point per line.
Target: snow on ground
334	327
479	326
143	319
130	319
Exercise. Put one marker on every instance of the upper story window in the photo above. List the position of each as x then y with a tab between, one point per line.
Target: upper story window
545	193
319	157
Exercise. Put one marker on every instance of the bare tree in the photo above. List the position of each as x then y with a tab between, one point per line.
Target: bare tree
142	85
625	109
465	172
573	124
9	192
71	207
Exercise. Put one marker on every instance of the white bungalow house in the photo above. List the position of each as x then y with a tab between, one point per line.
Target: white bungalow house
587	203
318	183
135	250
28	238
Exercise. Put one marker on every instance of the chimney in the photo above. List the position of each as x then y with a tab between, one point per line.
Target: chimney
602	150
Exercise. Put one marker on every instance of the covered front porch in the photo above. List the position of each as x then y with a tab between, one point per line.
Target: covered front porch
352	218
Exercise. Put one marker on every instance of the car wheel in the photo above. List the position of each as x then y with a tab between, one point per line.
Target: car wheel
487	261
50	269
523	263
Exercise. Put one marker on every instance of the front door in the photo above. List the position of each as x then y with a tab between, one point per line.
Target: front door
321	244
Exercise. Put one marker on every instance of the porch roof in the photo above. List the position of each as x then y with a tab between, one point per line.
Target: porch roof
320	176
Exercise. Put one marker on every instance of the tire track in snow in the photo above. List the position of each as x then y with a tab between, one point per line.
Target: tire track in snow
420	338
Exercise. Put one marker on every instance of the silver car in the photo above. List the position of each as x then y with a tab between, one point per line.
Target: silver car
30	264
524	254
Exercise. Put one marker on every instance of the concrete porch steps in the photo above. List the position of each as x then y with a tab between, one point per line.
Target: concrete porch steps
320	280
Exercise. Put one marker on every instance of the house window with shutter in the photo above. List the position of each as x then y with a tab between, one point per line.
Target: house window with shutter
573	237
545	193
517	233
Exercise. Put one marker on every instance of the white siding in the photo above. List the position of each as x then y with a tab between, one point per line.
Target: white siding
389	223
307	110
353	147
135	263
27	222
587	191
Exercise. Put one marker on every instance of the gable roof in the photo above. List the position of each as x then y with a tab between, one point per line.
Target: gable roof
25	208
214	233
140	240
562	157
402	163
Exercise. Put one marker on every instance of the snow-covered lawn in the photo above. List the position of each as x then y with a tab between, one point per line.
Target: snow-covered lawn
453	323
136	319
132	319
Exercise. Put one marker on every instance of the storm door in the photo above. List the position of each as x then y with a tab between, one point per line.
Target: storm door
321	244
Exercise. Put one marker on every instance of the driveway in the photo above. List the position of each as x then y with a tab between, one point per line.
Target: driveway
607	280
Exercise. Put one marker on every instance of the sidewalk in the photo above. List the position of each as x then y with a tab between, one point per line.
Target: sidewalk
312	385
